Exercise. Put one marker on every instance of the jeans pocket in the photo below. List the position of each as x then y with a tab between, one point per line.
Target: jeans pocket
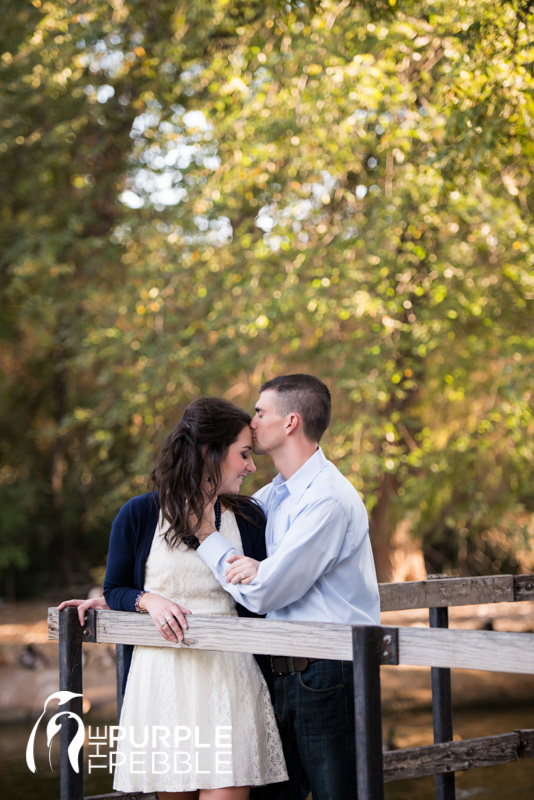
321	677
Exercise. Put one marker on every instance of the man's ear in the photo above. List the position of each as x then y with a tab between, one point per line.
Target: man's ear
291	424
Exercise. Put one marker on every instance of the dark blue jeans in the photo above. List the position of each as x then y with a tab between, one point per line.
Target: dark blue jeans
315	714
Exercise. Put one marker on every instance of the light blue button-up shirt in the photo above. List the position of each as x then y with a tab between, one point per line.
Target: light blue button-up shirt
319	564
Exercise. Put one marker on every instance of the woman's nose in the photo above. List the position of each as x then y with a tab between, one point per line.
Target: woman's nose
251	467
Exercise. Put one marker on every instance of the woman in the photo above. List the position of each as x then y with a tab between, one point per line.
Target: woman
196	724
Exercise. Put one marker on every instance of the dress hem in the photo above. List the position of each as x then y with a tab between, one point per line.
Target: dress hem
191	788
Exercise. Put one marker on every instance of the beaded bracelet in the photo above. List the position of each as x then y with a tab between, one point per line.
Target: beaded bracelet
136	603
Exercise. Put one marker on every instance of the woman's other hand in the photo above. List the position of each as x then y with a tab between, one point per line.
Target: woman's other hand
243	569
84	605
169	617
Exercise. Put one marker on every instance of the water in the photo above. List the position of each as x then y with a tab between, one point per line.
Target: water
19	783
514	780
490	783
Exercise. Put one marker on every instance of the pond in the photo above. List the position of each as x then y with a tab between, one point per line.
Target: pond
407	730
489	783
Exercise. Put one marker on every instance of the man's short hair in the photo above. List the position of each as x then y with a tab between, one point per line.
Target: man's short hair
307	396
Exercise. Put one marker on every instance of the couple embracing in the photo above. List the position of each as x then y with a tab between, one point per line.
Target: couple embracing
299	550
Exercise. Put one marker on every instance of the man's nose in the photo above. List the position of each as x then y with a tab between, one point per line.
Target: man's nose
253	423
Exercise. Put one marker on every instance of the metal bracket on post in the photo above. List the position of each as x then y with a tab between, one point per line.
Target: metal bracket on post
371	646
389	646
523	587
89	632
71	636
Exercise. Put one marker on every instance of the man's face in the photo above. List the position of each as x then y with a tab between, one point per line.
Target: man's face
267	425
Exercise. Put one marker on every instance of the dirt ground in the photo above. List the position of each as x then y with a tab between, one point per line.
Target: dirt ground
29	664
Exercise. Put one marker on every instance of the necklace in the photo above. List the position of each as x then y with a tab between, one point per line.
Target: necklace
192	541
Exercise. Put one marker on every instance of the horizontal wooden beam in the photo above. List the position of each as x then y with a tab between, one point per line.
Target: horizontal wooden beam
234	634
458	756
461	649
484	650
441	592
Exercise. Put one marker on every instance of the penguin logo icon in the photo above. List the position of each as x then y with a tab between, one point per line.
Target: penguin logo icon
54	727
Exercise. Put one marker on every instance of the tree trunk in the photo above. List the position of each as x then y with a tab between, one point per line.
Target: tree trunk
381	528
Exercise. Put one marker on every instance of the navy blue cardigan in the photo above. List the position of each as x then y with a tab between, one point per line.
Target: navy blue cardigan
130	541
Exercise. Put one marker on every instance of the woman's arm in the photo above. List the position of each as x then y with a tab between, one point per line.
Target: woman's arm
129	533
131	537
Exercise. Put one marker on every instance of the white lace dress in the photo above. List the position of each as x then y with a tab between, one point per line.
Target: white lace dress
195	719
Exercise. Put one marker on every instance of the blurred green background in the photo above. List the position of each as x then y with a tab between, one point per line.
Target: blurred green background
196	196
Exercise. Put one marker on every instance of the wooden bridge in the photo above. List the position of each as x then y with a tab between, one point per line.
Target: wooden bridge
368	647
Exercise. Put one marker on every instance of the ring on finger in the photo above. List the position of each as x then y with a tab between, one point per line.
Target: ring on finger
161	623
242	576
168	618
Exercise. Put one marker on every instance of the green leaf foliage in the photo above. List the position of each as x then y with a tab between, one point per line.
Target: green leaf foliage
197	196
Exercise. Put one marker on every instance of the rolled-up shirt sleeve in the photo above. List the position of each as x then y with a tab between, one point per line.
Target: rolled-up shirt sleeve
309	548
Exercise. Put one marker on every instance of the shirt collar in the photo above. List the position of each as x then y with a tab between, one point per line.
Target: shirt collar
299	482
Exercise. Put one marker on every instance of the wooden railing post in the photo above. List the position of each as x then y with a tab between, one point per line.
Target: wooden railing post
370	648
70	680
442	705
71	637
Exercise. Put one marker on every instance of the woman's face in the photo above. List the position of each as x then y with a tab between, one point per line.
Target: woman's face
237	463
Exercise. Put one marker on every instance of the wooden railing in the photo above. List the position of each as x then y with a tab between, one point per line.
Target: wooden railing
367	647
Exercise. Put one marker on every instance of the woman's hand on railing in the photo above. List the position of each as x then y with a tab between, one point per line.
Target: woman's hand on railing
84	605
243	569
169	617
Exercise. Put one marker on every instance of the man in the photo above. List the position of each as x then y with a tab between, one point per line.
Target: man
319	568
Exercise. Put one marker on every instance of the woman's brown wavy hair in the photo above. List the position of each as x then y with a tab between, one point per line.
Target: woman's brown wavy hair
194	450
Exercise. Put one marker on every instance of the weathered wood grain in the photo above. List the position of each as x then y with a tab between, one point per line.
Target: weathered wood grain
235	634
461	649
441	592
458	756
483	650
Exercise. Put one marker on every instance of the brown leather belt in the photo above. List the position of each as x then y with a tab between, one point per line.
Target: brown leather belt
288	665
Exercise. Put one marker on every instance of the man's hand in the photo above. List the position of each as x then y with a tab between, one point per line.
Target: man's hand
168	617
83	605
243	570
